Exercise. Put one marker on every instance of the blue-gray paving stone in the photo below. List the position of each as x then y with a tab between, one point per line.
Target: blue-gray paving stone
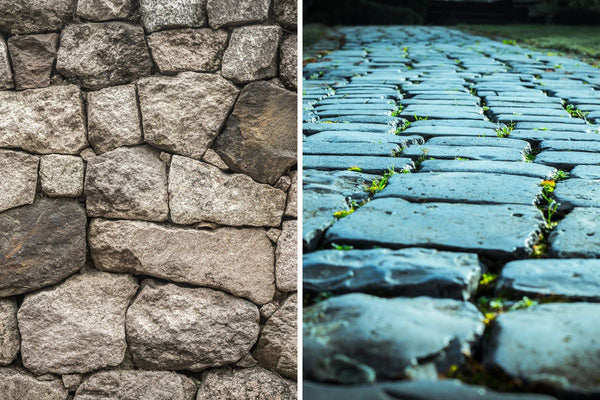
504	231
432	113
367	119
526	99
551	112
356	148
463	187
343	113
310	129
469	152
358	107
575	279
525	106
359	338
578	193
474	102
567	159
393	273
366	137
569	145
433	131
367	164
499	167
573	127
355	101
489	141
577	235
551	344
540	135
457	123
586	172
565	120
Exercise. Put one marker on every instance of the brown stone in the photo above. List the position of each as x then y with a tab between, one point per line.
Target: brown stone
18	178
32	59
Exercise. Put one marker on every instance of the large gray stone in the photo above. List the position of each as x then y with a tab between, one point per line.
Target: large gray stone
277	345
286	13
188	49
136	385
497	167
18	178
243	267
291	209
61	175
10	340
358	338
201	192
57	127
128	182
286	256
6	76
104	10
577	235
578	193
184	114
59	324
30	16
32	58
96	55
252	53
260	137
171	327
40	245
567	159
158	14
586	172
470	152
550	344
288	67
392	273
16	384
236	12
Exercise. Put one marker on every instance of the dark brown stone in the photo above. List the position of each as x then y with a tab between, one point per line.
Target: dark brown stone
32	59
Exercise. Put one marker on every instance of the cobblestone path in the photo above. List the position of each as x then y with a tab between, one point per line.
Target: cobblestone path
451	219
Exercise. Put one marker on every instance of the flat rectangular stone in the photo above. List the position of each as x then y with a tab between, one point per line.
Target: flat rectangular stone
491	141
356	149
365	137
568	145
553	126
567	159
500	167
577	235
567	120
457	123
367	164
433	131
540	135
586	172
470	152
365	119
578	193
312	128
541	111
535	105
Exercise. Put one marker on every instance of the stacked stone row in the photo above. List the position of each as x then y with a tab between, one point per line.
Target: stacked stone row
472	128
148	199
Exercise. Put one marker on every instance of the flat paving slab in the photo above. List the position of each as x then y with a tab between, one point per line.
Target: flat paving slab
469	152
577	235
366	164
494	167
578	193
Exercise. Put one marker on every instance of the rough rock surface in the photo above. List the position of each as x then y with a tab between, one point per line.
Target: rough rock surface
41	244
245	384
57	127
96	55
286	257
61	175
29	16
159	14
260	136
252	53
171	327
236	12
243	267
277	345
16	384
289	58
10	341
136	385
286	12
32	58
291	210
188	49
59	324
128	182
113	118
104	10
201	192
183	114
18	178
6	77
577	235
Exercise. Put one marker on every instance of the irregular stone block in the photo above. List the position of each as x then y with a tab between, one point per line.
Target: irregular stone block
357	338
286	256
549	344
247	383
128	182
30	16
260	137
586	172
188	50
32	59
577	235
393	273
18	178
113	118
57	127
72	381
10	341
6	77
244	267
184	114
104	10
236	12
470	152
277	345
201	192
495	167
58	324
286	13
96	55
578	193
252	53
158	14
171	327
567	159
136	385
61	175
16	384
41	244
291	210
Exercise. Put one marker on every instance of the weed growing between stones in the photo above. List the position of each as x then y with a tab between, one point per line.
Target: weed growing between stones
422	158
379	184
311	298
341	247
504	131
510	42
532	154
402	128
575	112
398	110
561	175
355	169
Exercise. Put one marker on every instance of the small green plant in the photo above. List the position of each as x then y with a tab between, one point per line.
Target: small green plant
342	246
487	281
355	169
485	108
473	91
402	128
548	186
398	110
343	213
379	184
551	207
561	175
510	42
558	66
460	158
504	131
422	158
575	112
417	118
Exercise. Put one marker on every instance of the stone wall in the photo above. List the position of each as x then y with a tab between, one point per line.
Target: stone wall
148	199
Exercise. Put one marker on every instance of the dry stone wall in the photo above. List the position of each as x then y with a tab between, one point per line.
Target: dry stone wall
148	199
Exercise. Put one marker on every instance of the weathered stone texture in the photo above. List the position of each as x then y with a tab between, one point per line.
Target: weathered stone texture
113	118
128	182
183	114
47	120
260	137
77	326
32	58
286	257
16	384
104	10
18	178
286	12
10	341
236	12
252	53
6	77
291	210
171	327
41	244
188	49
95	55
201	192
61	175
239	261
160	14
30	16
289	58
